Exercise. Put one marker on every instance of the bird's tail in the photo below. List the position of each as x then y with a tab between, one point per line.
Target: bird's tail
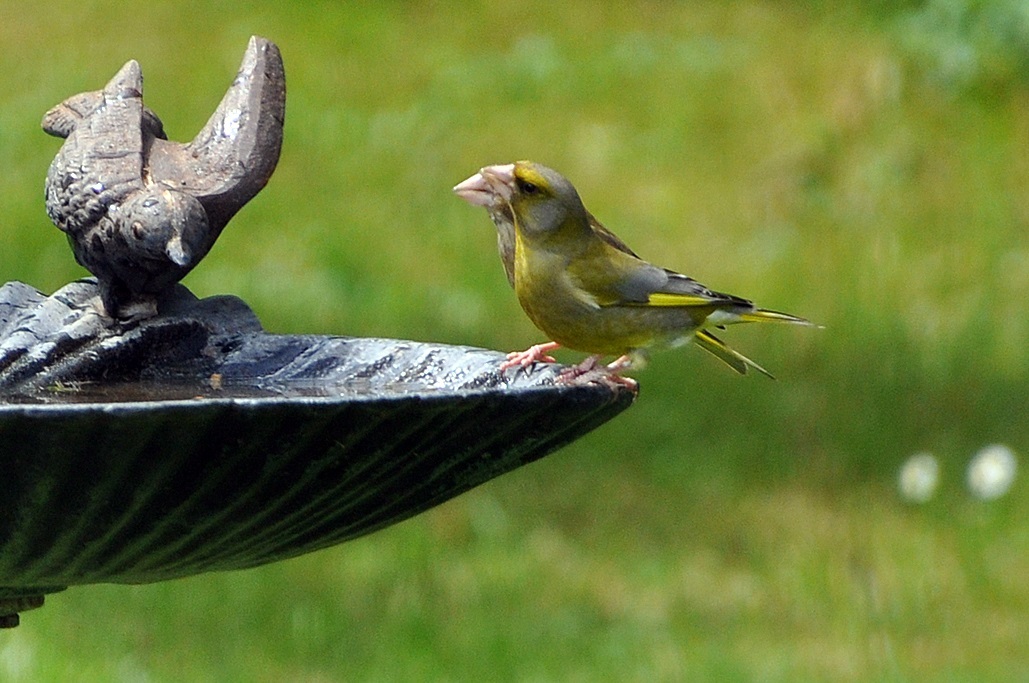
763	315
734	359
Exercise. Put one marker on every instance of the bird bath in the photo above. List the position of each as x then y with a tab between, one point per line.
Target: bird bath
146	434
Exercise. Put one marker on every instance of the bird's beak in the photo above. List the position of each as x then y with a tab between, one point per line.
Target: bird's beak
177	252
489	186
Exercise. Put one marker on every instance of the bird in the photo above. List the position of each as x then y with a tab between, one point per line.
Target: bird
137	237
581	285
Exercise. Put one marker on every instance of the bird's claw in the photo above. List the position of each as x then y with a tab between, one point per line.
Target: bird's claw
588	372
620	364
534	354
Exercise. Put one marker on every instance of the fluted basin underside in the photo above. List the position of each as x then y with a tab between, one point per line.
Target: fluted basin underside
141	492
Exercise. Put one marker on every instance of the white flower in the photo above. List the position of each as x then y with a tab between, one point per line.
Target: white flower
918	478
991	471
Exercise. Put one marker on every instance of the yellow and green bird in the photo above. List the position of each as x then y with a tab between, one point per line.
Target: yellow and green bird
584	288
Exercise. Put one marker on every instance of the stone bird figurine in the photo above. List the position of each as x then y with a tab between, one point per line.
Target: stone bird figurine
141	211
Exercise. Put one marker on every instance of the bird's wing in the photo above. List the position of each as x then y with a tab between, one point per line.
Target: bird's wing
646	284
682	290
627	280
234	154
610	276
609	237
643	284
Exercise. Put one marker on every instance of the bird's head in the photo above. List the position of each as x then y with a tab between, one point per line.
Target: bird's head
542	200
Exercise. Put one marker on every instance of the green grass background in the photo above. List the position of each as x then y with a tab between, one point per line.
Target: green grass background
862	164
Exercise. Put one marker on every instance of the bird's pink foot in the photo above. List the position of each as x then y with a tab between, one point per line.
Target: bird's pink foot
533	354
619	364
620	380
576	371
588	372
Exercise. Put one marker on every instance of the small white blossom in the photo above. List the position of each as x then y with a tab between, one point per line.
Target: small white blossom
991	472
918	478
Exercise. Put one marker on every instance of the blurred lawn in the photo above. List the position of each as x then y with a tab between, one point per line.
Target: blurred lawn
862	166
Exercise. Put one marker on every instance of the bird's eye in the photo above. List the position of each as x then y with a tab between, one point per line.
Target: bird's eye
528	188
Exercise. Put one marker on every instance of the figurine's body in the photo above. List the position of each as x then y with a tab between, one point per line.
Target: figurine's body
137	236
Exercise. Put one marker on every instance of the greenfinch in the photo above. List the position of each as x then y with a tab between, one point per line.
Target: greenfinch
583	287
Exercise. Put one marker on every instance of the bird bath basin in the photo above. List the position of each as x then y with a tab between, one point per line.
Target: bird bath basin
198	442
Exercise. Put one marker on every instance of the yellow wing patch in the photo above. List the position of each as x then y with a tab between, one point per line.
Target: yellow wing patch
659	299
